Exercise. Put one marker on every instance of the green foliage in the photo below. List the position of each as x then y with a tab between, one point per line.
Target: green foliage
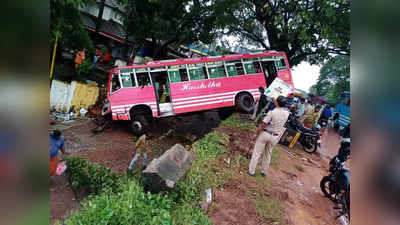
101	178
97	178
66	21
77	171
210	146
334	78
84	70
130	206
304	29
201	176
189	214
234	121
172	22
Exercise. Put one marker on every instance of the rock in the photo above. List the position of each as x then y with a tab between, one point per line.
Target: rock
163	172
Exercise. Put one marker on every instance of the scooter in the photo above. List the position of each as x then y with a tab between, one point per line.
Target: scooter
336	186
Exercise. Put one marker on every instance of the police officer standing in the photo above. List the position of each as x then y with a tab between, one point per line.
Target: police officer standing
267	135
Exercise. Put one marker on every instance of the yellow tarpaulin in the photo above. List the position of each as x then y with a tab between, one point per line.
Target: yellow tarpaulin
85	95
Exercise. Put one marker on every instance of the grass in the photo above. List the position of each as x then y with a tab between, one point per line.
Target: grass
270	209
236	122
275	156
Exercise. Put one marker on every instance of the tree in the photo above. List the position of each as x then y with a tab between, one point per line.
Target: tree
172	21
66	21
309	30
334	78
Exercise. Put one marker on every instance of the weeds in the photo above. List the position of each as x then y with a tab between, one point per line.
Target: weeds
269	208
275	156
234	121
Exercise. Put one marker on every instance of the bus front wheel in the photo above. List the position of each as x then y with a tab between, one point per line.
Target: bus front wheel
245	103
139	125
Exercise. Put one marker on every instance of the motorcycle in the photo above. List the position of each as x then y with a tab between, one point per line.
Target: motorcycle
336	186
310	139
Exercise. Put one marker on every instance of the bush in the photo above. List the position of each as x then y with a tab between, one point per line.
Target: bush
77	172
97	178
130	206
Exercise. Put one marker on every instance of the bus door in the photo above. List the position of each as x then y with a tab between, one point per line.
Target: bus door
268	66
160	80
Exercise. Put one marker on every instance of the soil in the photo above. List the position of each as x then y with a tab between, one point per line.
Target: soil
295	182
115	149
298	191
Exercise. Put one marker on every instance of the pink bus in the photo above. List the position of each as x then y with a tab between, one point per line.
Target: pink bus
140	93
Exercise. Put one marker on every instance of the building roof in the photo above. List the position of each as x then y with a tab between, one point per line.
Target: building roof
108	28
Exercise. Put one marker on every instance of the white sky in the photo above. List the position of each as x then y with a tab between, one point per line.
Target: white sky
305	75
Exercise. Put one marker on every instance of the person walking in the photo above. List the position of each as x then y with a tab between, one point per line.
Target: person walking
140	150
267	135
56	144
262	102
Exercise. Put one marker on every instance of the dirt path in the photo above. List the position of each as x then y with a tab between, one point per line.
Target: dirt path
289	195
114	149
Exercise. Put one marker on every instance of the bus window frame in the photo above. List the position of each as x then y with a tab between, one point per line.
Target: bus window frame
148	74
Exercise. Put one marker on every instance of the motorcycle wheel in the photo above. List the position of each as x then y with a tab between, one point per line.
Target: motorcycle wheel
310	146
324	185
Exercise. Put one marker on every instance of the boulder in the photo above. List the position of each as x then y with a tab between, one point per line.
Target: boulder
163	172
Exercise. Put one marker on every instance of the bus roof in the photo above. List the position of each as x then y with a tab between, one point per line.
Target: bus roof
172	62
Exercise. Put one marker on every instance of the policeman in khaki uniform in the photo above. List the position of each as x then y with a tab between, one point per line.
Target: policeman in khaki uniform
267	135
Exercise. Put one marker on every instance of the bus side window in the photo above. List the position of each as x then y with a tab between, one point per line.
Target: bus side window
133	80
231	69
239	68
249	68
115	84
257	66
196	74
174	76
184	75
126	80
143	79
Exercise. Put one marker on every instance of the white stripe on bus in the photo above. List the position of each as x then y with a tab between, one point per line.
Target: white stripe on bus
205	99
204	103
213	95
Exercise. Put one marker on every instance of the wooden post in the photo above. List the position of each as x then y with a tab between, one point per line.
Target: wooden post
53	58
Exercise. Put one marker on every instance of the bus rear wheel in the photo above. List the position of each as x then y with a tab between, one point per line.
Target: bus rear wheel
139	125
245	103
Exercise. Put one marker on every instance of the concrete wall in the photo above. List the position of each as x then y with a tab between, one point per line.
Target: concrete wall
63	95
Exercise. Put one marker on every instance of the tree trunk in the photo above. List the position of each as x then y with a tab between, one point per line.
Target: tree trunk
99	19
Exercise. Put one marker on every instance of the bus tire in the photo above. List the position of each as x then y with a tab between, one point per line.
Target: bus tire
245	103
139	125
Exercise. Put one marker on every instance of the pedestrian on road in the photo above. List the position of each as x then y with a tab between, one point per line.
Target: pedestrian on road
262	102
300	108
140	150
312	117
267	135
308	109
56	144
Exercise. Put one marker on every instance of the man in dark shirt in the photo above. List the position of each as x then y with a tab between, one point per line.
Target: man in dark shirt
262	102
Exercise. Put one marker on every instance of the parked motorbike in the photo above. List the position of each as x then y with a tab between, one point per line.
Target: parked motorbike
336	186
310	139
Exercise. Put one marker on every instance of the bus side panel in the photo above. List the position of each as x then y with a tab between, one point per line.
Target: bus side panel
213	93
286	76
344	114
123	99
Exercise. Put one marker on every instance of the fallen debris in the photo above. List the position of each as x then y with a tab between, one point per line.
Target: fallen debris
166	134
